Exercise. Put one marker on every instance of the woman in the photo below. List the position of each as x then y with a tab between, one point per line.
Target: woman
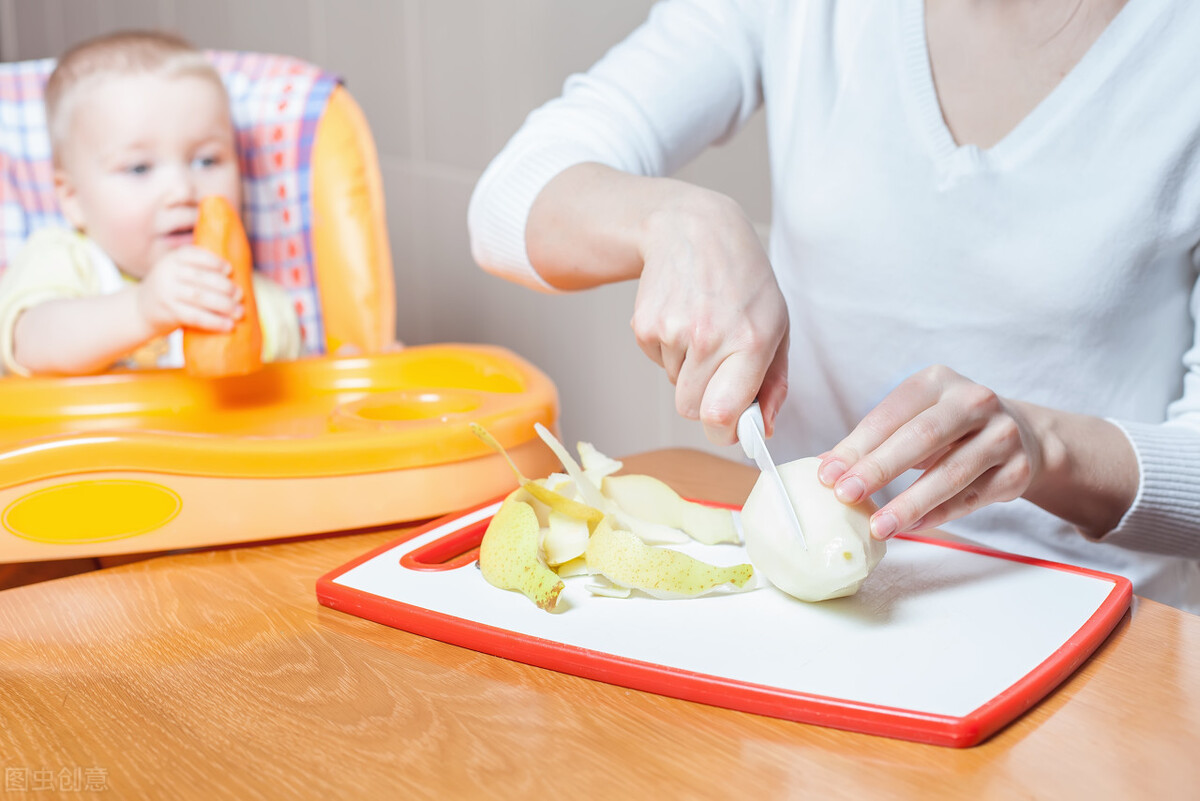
1006	191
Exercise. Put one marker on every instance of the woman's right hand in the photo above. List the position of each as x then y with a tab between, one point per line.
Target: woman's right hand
708	309
710	312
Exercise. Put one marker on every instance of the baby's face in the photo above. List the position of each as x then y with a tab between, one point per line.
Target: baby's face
140	153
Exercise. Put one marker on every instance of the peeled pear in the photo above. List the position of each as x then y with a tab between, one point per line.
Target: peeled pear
841	552
626	561
509	559
652	500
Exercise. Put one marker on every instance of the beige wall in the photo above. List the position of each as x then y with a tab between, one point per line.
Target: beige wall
444	83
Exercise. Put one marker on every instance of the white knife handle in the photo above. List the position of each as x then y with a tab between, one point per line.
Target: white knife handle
751	417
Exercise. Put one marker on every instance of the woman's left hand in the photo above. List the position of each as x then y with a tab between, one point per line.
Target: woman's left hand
974	447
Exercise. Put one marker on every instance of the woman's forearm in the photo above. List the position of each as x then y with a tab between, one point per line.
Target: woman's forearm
1090	472
589	225
79	336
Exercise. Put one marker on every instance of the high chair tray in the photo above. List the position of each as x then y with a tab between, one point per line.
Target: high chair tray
154	460
945	643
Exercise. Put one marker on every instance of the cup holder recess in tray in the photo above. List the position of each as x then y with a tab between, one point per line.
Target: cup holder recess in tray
404	408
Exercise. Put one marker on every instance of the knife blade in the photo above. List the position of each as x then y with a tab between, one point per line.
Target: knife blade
751	431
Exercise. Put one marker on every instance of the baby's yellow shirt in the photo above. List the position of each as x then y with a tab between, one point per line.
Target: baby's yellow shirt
58	263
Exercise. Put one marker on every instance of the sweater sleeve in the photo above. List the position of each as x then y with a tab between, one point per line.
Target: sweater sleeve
53	264
688	77
1165	515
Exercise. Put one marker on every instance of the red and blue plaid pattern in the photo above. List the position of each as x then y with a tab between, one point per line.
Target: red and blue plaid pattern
277	102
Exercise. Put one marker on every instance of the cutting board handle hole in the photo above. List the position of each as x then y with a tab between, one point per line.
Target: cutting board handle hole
449	552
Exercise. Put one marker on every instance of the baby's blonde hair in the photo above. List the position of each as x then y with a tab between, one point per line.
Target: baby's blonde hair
116	54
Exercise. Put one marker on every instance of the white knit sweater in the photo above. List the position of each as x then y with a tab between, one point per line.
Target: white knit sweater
1058	266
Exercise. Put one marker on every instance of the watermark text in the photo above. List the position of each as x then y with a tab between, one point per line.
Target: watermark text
76	779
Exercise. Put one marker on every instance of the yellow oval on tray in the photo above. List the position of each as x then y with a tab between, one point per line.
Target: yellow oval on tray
92	511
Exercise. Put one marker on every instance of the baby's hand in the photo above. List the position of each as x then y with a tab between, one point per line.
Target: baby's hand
190	287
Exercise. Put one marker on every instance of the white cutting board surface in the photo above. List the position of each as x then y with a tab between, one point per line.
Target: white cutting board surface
934	630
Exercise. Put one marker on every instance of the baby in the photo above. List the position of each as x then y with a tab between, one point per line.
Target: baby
141	131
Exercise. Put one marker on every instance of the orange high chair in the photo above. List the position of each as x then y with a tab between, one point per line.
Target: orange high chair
146	461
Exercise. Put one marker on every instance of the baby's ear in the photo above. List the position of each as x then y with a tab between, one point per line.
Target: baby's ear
68	198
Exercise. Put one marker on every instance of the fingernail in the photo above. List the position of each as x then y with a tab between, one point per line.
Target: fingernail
883	525
830	472
850	490
238	311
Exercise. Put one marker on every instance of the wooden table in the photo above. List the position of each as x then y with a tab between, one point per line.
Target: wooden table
218	675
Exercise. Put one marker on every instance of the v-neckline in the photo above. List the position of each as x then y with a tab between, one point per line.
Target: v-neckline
1092	69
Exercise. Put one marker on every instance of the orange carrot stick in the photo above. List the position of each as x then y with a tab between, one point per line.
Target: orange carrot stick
239	351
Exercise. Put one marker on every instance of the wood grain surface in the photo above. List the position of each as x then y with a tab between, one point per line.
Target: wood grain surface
217	674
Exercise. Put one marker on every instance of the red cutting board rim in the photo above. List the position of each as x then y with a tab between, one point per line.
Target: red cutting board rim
905	724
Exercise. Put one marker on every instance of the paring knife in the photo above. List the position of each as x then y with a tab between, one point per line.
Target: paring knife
751	431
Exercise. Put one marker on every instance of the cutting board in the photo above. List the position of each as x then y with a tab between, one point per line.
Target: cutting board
945	643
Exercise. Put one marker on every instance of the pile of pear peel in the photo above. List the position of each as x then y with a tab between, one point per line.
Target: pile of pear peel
591	522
